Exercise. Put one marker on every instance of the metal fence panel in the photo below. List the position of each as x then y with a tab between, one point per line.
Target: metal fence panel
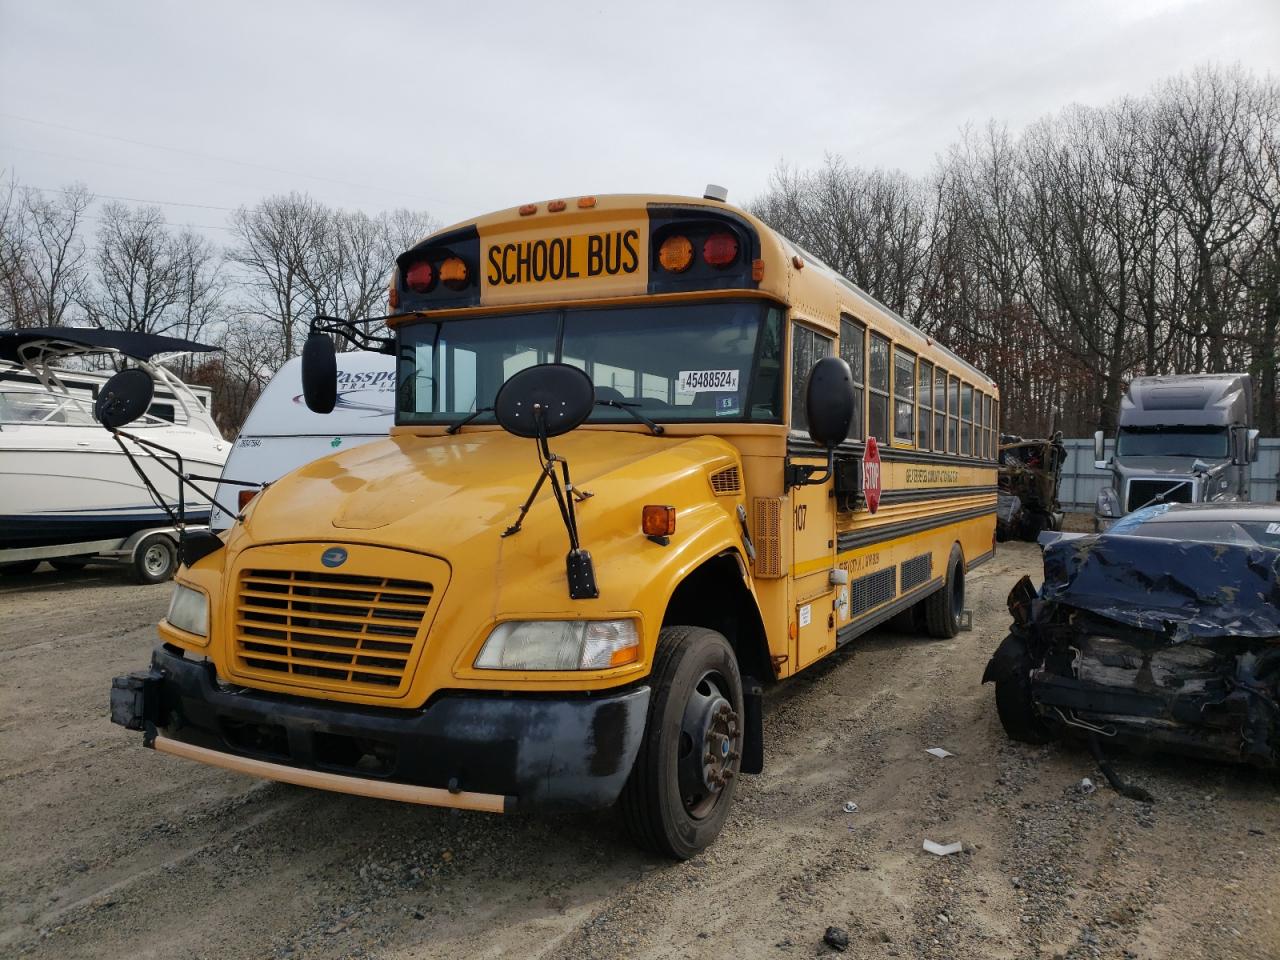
1081	482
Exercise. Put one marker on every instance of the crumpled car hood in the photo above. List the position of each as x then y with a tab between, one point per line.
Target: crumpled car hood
1184	589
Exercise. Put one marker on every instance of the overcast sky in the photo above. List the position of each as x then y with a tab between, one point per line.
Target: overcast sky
464	107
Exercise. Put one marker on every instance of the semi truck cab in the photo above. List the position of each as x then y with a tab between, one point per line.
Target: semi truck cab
1180	439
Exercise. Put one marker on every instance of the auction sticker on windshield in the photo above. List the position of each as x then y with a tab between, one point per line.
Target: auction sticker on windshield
704	381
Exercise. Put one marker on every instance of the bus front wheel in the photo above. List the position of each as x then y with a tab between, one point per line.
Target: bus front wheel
944	608
681	787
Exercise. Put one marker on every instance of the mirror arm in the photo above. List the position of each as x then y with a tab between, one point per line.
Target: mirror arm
802	474
349	330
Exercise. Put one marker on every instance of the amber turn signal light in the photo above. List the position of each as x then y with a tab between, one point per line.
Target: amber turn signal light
453	273
657	520
676	254
245	496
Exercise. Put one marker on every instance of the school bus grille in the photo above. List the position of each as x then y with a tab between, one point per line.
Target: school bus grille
726	482
768	537
353	631
872	590
916	571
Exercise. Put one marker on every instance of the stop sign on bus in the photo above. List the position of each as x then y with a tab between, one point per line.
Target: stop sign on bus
871	475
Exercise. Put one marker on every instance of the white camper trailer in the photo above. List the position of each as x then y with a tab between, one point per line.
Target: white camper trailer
281	434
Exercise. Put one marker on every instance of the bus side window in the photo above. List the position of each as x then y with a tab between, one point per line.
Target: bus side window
953	422
878	425
924	392
986	424
853	348
966	413
904	394
940	410
807	348
979	434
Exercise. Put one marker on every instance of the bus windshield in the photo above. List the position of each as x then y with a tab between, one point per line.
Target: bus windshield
1181	441
674	362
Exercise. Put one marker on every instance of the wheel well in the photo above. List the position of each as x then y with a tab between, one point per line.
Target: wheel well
714	596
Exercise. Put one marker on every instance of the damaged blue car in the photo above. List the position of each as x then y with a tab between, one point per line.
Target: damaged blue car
1163	632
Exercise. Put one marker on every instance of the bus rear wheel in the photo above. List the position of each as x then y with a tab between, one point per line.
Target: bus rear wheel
944	608
678	795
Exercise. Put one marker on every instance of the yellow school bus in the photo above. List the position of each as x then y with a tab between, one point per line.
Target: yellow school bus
402	620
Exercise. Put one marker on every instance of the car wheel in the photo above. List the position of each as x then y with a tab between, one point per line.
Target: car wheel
1013	699
154	559
943	608
678	795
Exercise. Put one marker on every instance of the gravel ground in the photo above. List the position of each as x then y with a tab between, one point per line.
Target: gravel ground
111	850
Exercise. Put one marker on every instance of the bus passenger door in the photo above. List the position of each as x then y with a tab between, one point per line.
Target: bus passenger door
813	508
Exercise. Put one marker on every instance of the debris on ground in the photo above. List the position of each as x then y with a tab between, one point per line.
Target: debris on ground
939	753
836	939
943	849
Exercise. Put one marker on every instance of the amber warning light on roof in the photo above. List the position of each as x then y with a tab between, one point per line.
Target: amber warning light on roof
586	255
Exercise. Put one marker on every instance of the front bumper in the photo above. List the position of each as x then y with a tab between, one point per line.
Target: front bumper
531	751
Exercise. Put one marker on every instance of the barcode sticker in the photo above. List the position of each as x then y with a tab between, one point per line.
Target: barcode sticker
705	381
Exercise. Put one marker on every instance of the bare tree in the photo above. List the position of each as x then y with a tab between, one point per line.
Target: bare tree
277	244
42	254
149	280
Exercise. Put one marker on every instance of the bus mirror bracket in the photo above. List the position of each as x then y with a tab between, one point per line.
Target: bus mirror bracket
541	402
320	362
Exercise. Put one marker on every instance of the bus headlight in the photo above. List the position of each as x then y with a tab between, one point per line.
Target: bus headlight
189	610
560	645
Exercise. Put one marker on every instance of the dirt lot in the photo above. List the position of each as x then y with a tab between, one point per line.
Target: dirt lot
111	850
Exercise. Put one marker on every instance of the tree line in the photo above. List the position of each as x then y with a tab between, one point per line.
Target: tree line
289	258
1098	245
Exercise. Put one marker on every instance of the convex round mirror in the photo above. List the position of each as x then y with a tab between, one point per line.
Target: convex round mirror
124	398
829	402
319	373
558	395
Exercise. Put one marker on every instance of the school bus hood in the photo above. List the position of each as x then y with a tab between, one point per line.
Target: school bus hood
430	494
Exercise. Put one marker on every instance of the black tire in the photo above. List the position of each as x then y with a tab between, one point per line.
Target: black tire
18	568
69	564
943	608
1014	705
154	559
667	805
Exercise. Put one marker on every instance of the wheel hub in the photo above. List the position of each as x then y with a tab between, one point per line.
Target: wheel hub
711	742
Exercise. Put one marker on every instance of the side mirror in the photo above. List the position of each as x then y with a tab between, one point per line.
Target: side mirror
319	373
829	402
544	401
1099	450
124	398
1253	445
1240	445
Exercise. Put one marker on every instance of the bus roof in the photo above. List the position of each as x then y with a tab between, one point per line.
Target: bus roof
787	272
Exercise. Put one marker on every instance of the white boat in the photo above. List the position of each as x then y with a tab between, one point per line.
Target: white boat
64	480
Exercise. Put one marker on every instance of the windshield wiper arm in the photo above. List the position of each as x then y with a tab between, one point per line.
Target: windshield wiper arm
630	408
455	427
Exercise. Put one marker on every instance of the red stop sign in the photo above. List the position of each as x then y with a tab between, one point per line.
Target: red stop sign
871	475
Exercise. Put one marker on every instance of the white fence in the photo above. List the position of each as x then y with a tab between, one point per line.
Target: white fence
1081	482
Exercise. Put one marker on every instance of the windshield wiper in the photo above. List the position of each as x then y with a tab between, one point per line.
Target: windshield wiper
455	427
630	408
